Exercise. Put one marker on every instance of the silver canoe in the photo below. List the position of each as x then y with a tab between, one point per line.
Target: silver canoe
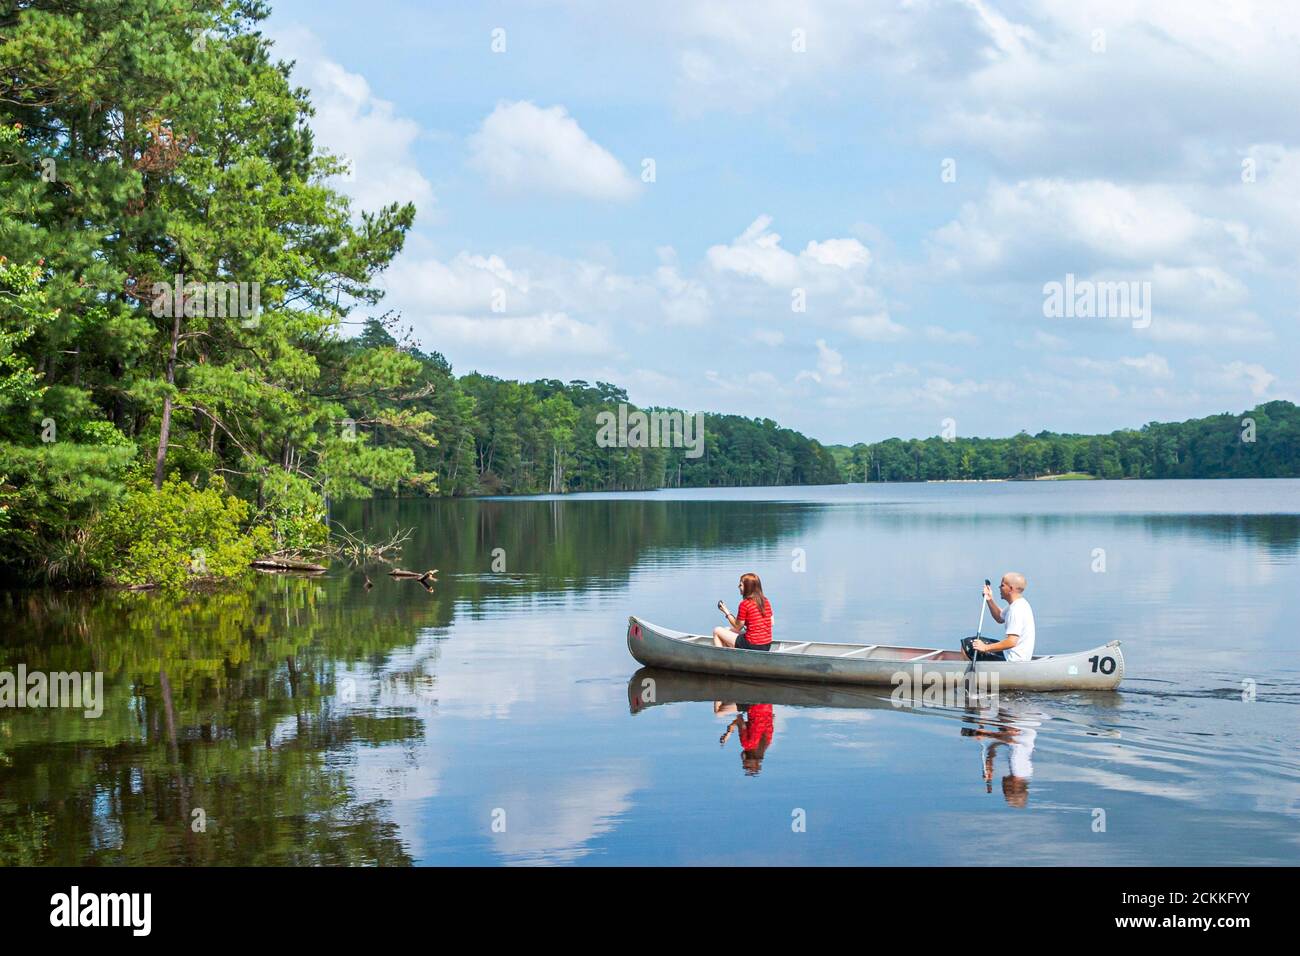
1101	668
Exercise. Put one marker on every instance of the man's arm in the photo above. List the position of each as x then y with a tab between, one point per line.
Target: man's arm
993	605
1011	640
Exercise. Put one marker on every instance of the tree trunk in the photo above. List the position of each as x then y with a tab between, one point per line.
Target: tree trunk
164	430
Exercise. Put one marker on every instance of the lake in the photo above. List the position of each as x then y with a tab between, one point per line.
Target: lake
497	719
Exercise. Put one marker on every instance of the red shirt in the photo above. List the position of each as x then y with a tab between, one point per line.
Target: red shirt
758	627
758	724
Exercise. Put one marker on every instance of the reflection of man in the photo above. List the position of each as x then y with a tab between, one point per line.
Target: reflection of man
757	724
1018	740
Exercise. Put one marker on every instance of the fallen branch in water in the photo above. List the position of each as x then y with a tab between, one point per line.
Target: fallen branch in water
275	562
357	550
424	578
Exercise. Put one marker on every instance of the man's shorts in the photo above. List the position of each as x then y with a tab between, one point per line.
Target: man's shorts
984	655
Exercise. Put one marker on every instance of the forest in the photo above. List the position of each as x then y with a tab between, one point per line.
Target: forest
1263	442
192	360
496	436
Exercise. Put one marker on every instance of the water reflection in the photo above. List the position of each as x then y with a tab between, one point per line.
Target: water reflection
1007	734
219	740
756	724
1004	734
323	721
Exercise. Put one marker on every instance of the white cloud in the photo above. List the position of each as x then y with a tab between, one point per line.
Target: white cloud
1151	366
830	366
757	253
875	328
354	124
1079	224
829	361
522	147
1255	377
685	301
844	253
1016	237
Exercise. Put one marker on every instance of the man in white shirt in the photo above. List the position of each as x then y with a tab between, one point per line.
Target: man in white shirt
1018	645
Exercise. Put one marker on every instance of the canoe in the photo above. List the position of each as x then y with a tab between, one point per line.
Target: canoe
1099	668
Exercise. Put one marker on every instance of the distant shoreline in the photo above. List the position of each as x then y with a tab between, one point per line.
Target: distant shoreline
1067	476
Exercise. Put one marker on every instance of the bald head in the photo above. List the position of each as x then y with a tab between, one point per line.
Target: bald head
1015	580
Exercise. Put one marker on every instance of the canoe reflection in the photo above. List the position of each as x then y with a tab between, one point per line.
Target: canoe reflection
1001	730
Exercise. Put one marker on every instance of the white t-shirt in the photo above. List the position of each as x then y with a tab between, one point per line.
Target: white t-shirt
1020	757
1020	620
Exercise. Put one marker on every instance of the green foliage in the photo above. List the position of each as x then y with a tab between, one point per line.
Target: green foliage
48	495
175	535
23	312
133	152
1221	446
497	436
293	513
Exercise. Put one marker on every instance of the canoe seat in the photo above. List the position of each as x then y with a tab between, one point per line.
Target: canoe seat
924	656
860	650
796	648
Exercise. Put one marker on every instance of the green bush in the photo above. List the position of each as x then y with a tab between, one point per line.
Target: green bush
176	536
49	495
294	513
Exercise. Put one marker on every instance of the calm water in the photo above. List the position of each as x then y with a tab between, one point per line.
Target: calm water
496	718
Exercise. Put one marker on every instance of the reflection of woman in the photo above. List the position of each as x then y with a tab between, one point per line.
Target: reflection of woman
757	724
753	617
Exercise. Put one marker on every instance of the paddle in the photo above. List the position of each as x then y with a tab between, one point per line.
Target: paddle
978	628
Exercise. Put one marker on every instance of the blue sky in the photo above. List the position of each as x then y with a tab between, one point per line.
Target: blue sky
799	154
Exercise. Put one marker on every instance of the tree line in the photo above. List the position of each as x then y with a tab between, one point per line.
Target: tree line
498	436
1263	442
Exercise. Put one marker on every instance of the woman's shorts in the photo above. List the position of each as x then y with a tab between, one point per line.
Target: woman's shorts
744	645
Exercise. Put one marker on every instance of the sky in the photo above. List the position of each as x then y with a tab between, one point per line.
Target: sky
845	216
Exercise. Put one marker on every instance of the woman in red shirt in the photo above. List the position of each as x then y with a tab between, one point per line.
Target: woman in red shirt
753	618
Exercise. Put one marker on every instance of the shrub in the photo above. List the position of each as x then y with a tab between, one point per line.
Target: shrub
294	513
175	536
